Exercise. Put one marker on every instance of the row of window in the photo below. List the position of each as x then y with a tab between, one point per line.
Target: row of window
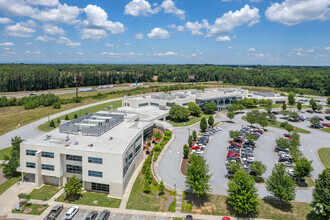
95	173
43	153
43	166
143	104
73	169
100	187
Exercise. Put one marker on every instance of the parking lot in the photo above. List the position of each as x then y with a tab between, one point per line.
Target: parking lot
216	150
82	214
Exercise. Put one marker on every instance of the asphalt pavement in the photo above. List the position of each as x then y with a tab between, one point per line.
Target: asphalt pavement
215	155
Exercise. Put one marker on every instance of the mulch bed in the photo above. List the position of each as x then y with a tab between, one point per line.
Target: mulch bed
184	164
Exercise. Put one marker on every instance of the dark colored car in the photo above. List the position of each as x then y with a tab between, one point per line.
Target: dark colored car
327	117
189	217
282	149
104	215
310	111
284	159
238	140
275	112
91	216
287	135
56	210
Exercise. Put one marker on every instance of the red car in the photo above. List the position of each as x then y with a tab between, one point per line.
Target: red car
289	138
321	119
259	131
235	144
326	124
239	140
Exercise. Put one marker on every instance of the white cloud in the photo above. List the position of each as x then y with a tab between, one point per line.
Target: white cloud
260	55
311	50
97	18
196	27
5	21
291	12
44	38
118	54
53	30
252	49
93	34
158	33
17	8
223	38
63	14
127	44
327	48
68	42
22	29
109	45
6	44
169	7
50	3
178	28
230	47
234	36
169	53
300	54
34	53
6	48
140	8
139	36
80	53
228	21
28	43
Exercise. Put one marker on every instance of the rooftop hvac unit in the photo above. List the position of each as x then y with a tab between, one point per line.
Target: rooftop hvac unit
47	137
75	142
90	145
110	138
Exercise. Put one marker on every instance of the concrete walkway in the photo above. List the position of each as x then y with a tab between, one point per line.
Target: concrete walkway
9	198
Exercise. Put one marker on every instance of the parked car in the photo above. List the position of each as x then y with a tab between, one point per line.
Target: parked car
198	151
91	216
104	215
233	149
321	119
287	135
317	126
282	149
310	111
327	117
285	159
238	140
56	210
71	212
275	112
326	124
218	129
287	163
235	144
189	217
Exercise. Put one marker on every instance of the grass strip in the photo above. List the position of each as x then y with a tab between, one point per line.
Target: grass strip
324	154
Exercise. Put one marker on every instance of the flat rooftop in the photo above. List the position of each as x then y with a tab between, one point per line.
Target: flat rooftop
146	113
114	141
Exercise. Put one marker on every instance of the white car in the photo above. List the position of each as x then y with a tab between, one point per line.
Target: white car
71	212
250	159
199	152
218	129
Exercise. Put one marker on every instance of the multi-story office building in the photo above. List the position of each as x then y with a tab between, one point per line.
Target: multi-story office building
102	149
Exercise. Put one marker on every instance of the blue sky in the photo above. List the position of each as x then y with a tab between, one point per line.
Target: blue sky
288	32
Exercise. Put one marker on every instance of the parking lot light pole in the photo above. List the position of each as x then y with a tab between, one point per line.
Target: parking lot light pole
174	187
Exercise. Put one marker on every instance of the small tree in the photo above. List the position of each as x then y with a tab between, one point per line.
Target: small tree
185	151
283	142
73	188
234	134
315	121
231	115
210	121
197	177
233	166
147	188
210	107
10	168
203	124
57	105
302	168
194	109
242	192
190	140
52	124
328	100
299	106
314	106
67	117
250	137
58	121
280	184
293	114
311	101
251	118
75	116
268	108
194	134
284	106
161	188
263	123
257	169
319	107
291	100
289	128
321	195
179	113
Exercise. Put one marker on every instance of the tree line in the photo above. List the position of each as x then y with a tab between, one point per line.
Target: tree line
32	77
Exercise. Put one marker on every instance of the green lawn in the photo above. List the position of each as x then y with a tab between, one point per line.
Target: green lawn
94	199
324	154
309	182
141	201
325	129
5	151
96	108
11	181
192	120
35	209
44	193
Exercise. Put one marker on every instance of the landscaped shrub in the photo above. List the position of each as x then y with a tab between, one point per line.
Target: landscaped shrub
157	148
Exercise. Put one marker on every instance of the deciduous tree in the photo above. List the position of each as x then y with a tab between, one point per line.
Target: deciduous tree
73	188
194	109
230	115
203	124
210	121
179	113
210	107
302	168
321	195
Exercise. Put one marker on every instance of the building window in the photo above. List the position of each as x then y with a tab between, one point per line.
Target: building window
95	160
31	152
73	169
169	104
47	167
143	104
47	154
184	104
95	173
100	187
74	157
30	165
130	156
137	148
155	104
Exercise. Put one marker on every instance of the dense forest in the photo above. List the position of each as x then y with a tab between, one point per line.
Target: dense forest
25	77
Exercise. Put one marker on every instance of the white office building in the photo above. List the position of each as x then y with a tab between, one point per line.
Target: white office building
102	149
